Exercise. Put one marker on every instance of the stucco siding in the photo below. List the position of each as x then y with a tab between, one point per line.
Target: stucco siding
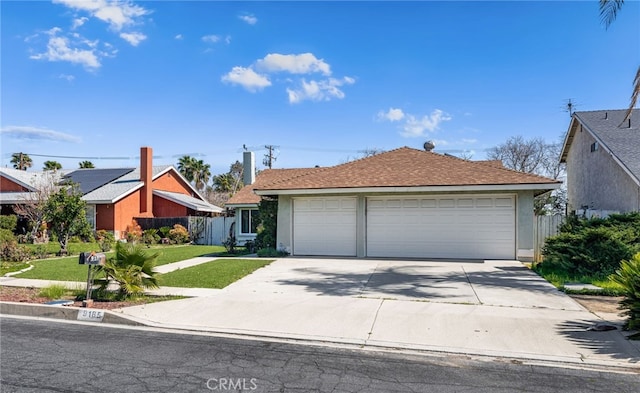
595	180
125	210
171	182
104	217
7	185
524	223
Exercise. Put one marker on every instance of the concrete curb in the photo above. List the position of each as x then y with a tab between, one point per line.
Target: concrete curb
62	312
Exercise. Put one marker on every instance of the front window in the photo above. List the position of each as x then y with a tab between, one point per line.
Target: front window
90	211
249	221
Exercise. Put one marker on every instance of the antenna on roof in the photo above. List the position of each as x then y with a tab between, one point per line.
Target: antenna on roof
569	106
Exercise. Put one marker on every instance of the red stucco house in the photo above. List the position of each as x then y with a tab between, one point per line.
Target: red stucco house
116	196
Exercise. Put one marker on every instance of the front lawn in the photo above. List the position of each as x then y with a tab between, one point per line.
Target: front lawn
68	269
215	274
559	277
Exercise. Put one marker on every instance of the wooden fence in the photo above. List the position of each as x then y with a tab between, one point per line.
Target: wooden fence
544	227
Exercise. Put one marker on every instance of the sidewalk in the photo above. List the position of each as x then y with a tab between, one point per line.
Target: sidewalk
497	309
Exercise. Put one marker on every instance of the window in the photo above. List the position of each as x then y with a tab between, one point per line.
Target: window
594	146
249	221
91	216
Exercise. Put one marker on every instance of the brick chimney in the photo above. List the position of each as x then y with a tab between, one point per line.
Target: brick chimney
146	177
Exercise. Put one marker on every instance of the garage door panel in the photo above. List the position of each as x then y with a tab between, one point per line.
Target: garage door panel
442	227
324	226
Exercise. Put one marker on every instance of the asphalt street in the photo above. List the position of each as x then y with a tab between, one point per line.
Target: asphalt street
48	356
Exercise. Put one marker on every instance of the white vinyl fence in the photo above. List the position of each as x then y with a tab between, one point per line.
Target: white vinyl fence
544	227
210	230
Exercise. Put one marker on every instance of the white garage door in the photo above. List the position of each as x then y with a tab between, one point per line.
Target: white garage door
442	227
324	226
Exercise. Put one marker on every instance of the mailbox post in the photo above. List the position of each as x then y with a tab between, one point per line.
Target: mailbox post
92	260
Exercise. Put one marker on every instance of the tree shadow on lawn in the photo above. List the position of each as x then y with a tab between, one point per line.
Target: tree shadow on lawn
611	343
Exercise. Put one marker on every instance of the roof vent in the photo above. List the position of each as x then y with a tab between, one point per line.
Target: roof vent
606	115
429	145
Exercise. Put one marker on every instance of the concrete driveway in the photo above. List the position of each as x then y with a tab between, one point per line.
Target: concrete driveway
496	308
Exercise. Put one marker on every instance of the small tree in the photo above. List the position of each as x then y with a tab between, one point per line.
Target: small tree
51	166
65	211
33	205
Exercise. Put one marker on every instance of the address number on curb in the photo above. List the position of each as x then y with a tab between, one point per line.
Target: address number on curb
90	315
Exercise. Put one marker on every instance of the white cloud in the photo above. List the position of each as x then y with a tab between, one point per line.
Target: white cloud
79	22
469	141
304	63
59	49
68	78
249	18
227	39
117	13
211	39
247	78
256	77
36	133
393	114
133	38
323	90
178	37
415	126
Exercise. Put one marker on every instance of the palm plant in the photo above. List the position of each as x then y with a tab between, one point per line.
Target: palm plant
51	166
86	165
21	161
132	268
201	174
185	167
628	276
608	12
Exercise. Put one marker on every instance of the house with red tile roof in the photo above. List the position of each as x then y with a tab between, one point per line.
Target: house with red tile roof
404	203
116	196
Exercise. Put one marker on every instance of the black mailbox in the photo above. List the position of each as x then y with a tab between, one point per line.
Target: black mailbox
92	258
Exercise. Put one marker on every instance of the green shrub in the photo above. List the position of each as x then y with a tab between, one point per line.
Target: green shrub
628	276
132	268
230	244
268	215
11	251
179	234
164	232
9	222
53	291
150	236
595	251
6	235
271	252
40	251
105	240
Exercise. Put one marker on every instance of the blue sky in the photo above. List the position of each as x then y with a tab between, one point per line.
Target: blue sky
321	80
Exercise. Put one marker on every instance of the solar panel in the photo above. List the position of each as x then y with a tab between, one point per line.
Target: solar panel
91	179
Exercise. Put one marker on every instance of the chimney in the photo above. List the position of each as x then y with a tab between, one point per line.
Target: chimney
146	177
248	168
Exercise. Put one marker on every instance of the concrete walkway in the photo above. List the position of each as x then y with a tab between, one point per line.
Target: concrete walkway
494	308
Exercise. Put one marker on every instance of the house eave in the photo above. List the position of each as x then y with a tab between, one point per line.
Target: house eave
392	190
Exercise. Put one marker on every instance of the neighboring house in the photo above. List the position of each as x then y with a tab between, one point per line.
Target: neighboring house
603	161
404	203
116	196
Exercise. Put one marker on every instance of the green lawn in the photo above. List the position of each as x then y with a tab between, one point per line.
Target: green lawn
68	269
52	248
215	274
559	277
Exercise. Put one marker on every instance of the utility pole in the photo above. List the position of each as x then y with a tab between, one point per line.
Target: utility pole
269	157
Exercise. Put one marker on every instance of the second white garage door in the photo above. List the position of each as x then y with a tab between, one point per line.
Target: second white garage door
324	226
478	227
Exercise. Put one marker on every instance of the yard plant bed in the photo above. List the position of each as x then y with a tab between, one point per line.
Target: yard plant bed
32	295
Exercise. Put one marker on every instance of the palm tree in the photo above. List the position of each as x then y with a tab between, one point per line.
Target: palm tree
86	165
185	167
608	12
201	174
132	268
51	166
21	161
